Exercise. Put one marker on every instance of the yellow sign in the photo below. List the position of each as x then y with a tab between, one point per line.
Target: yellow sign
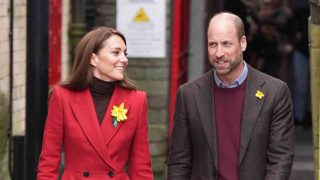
141	16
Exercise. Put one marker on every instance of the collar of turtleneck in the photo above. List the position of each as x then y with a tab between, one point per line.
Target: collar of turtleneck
101	92
101	88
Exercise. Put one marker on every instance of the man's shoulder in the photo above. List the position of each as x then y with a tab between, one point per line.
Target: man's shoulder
270	80
203	79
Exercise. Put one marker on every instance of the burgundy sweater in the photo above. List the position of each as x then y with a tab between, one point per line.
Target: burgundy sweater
228	113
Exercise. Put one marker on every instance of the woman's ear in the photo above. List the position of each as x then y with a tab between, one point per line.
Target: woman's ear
94	60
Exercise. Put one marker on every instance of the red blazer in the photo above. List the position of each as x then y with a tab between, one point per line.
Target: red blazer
92	151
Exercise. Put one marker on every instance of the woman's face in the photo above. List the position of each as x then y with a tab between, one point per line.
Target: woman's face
111	61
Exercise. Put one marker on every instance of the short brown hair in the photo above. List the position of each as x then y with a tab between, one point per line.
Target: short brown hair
82	72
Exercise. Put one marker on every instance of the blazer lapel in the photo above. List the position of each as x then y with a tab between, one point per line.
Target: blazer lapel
83	109
108	130
205	104
252	108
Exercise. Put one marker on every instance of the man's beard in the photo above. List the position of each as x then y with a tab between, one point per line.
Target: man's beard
223	71
232	64
228	69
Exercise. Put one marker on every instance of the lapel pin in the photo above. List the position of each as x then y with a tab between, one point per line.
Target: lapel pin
259	94
119	114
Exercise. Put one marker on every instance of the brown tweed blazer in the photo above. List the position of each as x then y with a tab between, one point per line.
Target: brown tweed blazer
267	131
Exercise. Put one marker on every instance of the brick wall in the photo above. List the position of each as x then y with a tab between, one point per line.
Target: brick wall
4	84
4	46
152	77
19	59
19	68
19	65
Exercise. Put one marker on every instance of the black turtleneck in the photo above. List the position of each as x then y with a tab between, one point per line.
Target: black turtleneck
101	92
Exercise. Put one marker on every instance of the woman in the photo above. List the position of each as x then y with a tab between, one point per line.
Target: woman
97	117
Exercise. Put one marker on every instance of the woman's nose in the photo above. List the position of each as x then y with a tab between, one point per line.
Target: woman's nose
124	58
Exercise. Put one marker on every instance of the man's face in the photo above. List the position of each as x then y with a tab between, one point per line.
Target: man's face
225	50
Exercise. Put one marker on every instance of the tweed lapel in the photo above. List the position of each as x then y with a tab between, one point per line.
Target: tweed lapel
252	108
83	109
119	96
205	105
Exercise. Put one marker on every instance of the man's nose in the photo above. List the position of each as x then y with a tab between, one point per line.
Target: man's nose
219	52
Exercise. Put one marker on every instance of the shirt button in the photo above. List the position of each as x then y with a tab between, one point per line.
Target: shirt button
110	173
86	174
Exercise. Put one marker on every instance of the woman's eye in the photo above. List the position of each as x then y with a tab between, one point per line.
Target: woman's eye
115	52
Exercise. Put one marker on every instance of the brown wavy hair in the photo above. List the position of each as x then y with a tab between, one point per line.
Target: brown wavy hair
82	71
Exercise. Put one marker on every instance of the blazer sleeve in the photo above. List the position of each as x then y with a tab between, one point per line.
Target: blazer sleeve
139	157
180	152
49	161
281	139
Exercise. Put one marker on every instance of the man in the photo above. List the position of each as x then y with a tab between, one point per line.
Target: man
233	122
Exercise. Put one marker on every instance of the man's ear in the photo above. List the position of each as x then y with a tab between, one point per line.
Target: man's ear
243	43
94	60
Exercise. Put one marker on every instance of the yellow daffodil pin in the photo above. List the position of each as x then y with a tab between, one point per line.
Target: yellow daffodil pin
118	114
259	94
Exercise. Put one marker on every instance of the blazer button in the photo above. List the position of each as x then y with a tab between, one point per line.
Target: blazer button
86	174
110	173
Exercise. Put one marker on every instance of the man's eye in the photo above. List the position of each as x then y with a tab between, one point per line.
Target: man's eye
227	44
212	45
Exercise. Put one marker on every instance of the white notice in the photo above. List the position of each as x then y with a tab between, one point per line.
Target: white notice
143	24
